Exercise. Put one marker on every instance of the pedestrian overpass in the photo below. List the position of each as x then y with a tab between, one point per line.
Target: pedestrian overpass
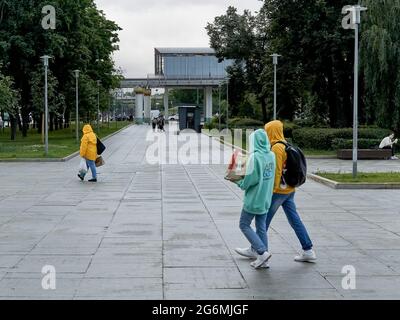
183	68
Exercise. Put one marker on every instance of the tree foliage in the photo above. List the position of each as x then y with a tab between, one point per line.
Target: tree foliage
84	39
315	72
380	52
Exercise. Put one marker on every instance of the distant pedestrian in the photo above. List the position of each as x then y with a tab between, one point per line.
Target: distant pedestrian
88	151
154	124
161	123
388	143
258	184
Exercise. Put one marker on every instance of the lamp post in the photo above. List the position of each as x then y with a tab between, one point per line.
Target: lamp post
355	12
219	107
98	105
46	106
76	72
275	62
227	103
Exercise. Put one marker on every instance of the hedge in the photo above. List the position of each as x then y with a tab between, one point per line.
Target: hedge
245	123
322	138
362	143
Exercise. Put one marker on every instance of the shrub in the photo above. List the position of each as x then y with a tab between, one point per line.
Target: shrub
323	138
245	123
348	143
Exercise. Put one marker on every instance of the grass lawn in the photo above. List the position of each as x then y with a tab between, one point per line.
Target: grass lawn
61	142
386	177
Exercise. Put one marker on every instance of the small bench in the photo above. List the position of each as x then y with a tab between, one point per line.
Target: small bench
365	154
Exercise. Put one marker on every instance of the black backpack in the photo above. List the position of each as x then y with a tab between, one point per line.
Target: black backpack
100	146
295	172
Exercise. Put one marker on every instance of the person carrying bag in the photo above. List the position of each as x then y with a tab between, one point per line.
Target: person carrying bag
88	151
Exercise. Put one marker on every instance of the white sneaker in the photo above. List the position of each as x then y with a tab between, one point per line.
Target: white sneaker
247	252
261	259
265	265
306	256
394	158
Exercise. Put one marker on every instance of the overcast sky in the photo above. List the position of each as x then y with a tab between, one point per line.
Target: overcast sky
163	23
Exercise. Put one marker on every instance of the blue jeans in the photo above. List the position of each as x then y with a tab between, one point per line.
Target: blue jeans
91	164
289	207
258	239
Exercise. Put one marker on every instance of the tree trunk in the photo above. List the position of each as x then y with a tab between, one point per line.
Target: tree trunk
264	109
13	124
66	123
25	122
51	127
39	123
19	122
60	122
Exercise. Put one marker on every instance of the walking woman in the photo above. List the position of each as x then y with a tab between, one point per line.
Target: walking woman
88	151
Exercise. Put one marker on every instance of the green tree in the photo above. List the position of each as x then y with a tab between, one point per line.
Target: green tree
9	99
84	39
315	70
380	62
242	37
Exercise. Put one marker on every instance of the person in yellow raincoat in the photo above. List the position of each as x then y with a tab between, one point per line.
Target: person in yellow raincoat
88	151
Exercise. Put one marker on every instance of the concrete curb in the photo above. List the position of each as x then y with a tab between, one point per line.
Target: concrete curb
65	159
353	186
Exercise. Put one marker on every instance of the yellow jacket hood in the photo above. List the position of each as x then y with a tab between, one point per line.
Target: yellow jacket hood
275	131
87	129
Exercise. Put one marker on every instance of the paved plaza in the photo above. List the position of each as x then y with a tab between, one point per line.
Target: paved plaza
150	231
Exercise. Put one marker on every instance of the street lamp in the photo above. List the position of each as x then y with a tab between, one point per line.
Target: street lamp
46	105
355	12
76	72
98	104
219	107
227	102
275	62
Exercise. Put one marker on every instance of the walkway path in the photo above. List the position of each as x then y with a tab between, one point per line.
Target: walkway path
168	232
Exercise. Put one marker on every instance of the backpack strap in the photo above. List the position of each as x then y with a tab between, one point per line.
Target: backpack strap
281	142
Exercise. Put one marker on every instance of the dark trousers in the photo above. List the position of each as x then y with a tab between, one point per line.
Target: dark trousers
389	147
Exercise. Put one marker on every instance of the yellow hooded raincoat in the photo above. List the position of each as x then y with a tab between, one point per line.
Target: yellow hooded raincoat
88	148
275	133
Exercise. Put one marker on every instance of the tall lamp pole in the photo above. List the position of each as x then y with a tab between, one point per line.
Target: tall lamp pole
98	105
355	23
219	107
46	106
275	62
76	72
227	103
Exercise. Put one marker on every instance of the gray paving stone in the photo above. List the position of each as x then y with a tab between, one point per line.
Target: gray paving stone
32	289
169	231
120	288
62	264
203	278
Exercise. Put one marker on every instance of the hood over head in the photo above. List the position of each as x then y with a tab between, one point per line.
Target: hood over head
259	142
87	129
274	130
